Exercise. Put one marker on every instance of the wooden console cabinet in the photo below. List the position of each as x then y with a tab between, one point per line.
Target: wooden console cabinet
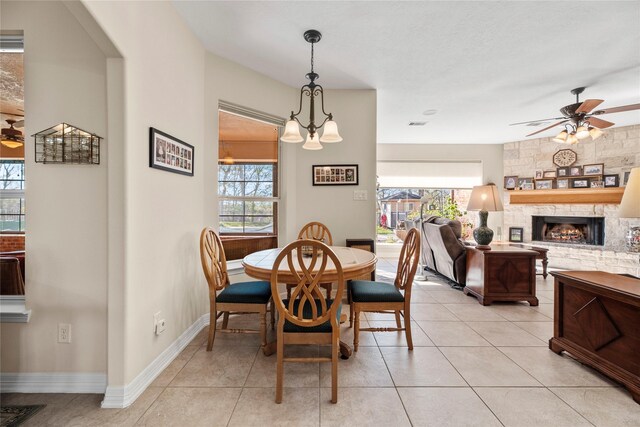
597	320
502	273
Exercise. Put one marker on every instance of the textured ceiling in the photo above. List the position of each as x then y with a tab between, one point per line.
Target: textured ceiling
11	87
481	65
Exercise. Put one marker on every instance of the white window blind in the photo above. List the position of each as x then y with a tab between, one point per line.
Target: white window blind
429	174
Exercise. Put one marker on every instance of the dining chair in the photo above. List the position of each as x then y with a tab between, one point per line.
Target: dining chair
307	317
316	231
226	298
11	279
370	296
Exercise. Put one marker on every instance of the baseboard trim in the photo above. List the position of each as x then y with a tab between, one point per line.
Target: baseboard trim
124	396
56	382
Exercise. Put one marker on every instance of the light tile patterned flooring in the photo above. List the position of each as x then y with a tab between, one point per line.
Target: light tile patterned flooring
471	366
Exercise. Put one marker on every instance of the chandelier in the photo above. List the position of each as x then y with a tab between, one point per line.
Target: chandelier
572	134
311	90
11	137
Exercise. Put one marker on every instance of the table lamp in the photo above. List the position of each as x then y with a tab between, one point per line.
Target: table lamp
630	208
484	198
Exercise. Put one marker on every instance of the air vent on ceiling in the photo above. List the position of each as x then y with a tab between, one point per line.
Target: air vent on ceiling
417	123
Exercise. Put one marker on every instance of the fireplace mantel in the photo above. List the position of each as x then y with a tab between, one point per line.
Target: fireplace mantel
611	195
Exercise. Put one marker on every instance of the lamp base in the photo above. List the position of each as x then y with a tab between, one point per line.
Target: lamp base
633	239
483	235
483	247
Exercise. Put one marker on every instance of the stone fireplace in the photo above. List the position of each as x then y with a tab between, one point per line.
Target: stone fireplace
575	244
570	230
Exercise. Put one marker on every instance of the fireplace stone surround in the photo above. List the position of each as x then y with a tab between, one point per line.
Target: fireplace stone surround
619	151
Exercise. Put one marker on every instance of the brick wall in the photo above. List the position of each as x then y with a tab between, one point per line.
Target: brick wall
10	243
619	150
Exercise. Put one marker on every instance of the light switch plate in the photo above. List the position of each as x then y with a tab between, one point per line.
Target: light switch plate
360	195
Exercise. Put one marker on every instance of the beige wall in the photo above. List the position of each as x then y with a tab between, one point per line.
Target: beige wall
164	82
137	245
489	154
66	238
300	201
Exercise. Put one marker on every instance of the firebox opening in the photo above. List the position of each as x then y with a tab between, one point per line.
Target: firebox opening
568	230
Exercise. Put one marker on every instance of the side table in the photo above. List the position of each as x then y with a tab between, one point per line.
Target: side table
502	273
542	255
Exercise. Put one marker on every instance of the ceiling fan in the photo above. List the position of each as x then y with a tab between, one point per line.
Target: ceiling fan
11	137
579	119
16	123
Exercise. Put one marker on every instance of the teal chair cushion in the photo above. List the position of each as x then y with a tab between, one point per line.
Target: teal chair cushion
325	327
257	292
368	291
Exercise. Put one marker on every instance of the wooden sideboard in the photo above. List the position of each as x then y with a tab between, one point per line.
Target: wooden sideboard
597	320
502	273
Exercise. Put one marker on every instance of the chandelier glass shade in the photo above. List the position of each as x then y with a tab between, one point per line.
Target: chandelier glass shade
312	90
573	134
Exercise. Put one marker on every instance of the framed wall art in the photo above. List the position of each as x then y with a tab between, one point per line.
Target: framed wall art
560	172
510	182
562	183
580	183
525	183
575	171
544	184
335	174
549	174
516	234
595	169
611	180
169	153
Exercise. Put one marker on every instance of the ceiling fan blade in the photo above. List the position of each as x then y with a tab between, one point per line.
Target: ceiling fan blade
589	105
618	109
535	121
19	124
549	127
599	123
11	114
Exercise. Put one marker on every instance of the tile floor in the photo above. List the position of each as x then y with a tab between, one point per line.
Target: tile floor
471	366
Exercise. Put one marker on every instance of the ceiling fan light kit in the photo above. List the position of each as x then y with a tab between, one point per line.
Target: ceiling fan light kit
311	90
579	119
11	137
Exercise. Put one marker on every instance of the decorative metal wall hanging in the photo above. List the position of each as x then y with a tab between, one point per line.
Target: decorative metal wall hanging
65	143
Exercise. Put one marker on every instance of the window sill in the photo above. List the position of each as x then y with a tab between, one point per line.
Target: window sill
13	310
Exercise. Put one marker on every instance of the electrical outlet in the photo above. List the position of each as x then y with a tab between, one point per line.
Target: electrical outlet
360	195
64	333
159	324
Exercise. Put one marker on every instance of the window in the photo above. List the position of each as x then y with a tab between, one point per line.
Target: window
12	196
247	192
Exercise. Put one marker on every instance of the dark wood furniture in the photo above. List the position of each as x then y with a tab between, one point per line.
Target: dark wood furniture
502	273
542	255
596	319
365	245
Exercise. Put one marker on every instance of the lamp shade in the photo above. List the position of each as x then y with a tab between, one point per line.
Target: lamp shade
291	132
582	132
572	139
485	198
630	204
330	133
595	132
312	143
561	137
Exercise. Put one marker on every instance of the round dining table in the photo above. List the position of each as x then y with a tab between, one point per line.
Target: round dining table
356	264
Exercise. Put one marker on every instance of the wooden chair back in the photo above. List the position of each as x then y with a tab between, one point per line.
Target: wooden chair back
317	231
11	276
214	262
408	261
307	269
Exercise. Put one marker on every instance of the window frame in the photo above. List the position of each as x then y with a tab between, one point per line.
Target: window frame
13	193
274	199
